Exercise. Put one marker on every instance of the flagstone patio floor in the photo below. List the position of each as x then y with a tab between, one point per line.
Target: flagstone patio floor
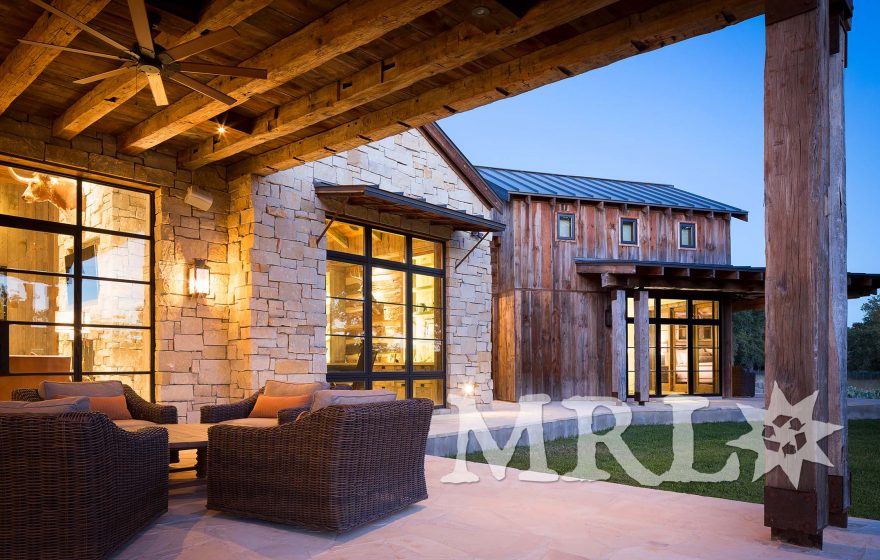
507	519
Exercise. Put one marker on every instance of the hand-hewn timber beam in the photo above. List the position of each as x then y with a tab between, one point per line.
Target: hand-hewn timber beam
436	55
26	62
113	92
348	27
662	25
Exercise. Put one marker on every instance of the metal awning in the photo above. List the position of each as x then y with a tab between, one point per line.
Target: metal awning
747	282
371	196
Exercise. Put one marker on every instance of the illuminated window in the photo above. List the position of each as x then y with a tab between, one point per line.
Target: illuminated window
385	309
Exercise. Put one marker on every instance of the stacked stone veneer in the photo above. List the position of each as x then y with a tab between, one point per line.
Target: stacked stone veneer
265	315
279	268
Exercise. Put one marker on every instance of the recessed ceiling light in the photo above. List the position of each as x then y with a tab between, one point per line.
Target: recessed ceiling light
481	11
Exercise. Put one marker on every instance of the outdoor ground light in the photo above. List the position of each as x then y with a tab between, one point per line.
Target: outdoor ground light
468	389
199	278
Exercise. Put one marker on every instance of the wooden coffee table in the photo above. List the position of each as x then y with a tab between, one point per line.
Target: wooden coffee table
188	436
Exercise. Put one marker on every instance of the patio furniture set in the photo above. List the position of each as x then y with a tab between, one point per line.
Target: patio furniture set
85	465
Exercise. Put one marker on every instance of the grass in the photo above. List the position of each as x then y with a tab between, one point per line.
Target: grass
652	445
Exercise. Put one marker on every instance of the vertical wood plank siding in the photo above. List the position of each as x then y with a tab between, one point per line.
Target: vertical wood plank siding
550	331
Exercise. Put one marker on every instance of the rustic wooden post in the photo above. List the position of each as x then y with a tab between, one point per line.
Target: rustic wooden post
641	345
727	344
838	474
618	344
797	163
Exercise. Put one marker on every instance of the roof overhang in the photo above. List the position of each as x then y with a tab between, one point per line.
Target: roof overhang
370	196
746	282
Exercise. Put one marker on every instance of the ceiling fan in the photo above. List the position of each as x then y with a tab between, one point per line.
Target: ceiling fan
154	61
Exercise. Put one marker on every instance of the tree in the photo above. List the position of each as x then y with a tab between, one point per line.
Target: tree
748	339
863	339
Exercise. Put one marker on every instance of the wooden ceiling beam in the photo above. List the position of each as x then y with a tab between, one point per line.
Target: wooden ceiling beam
26	62
436	55
659	26
112	93
351	25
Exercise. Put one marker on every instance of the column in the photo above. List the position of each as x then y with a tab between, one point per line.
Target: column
618	345
642	343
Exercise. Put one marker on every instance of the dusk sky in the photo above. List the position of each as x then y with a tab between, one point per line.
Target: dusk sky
690	114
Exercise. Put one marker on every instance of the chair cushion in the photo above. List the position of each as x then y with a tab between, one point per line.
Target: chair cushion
54	406
268	407
128	424
284	389
51	389
116	408
331	397
253	422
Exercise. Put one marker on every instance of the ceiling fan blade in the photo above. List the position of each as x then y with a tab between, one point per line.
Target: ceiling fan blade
141	25
69	49
197	68
158	89
83	26
202	43
103	75
202	88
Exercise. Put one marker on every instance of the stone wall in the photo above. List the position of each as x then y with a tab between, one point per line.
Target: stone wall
191	334
287	222
264	317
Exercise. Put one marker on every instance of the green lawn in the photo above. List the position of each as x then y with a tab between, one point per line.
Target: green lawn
652	445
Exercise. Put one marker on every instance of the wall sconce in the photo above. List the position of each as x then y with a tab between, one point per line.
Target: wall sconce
468	389
199	278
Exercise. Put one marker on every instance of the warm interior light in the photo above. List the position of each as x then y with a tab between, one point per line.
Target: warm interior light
199	278
221	129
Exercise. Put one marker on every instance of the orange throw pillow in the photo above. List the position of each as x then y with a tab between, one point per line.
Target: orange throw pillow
114	407
268	407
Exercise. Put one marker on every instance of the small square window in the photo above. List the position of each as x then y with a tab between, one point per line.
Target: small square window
565	226
629	231
687	236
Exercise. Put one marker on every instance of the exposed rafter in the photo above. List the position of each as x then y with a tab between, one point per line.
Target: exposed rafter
22	66
436	55
112	93
348	27
659	26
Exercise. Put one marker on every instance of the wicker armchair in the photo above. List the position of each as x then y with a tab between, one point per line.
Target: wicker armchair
216	413
140	408
334	470
75	485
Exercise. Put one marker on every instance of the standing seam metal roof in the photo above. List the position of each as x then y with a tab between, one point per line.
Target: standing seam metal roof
510	181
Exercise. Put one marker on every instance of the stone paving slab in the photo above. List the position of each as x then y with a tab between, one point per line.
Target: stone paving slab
504	520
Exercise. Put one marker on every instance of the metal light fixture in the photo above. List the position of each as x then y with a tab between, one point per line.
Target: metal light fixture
199	278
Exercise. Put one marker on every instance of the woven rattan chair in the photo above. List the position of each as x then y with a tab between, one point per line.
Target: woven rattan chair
139	408
334	470
74	485
216	413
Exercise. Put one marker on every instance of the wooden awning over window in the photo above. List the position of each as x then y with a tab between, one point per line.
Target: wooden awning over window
370	196
746	282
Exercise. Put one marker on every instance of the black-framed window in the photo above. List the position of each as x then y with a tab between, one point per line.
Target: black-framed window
684	354
629	231
76	285
385	311
565	225
687	235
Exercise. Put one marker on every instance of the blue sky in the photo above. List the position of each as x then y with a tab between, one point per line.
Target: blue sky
690	114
